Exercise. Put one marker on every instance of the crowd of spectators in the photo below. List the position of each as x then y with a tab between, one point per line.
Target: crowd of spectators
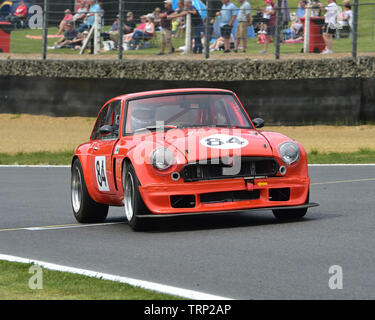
232	22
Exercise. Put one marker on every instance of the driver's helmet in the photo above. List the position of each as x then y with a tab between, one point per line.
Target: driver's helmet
142	117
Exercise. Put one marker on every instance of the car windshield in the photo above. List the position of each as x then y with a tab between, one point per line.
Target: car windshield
185	110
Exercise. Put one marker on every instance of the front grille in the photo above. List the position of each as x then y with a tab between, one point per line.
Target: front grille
229	196
219	169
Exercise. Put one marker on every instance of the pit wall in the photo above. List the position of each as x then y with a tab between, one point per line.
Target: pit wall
287	92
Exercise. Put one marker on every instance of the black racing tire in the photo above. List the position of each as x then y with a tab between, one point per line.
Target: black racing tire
85	209
133	202
292	214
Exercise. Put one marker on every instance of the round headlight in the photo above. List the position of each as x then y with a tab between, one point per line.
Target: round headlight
289	152
162	159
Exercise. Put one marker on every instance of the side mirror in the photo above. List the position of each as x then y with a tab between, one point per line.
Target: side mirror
258	123
106	129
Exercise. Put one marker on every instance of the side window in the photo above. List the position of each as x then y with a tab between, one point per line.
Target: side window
113	119
110	115
99	123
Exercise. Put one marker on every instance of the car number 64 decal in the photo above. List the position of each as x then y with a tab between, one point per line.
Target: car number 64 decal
101	174
224	141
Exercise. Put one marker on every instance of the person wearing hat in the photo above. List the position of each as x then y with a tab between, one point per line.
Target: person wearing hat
166	27
68	17
330	23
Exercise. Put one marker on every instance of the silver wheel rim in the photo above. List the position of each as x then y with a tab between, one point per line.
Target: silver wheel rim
76	189
128	196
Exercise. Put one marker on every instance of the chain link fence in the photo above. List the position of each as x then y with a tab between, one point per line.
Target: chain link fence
279	28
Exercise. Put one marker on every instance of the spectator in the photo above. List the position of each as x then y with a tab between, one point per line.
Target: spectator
166	27
219	43
147	33
347	16
196	24
330	22
270	22
285	13
129	24
180	21
315	8
20	15
244	21
296	25
301	9
94	8
156	14
228	15
113	33
6	10
81	13
68	17
70	39
81	40
129	36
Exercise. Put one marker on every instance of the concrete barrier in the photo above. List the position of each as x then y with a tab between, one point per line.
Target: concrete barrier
295	92
291	102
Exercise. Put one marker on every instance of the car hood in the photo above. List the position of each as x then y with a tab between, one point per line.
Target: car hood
208	143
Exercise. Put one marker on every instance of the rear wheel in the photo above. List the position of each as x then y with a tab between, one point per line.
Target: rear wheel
85	209
133	202
291	214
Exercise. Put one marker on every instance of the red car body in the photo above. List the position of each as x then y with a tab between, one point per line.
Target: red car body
185	187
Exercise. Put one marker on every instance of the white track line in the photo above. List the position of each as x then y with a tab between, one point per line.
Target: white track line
184	293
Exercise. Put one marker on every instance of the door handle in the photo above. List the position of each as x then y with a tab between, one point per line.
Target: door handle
96	148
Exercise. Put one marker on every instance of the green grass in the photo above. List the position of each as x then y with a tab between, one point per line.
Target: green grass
34	158
65	157
14	285
361	156
366	37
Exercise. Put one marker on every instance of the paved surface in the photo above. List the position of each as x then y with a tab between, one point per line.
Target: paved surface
246	256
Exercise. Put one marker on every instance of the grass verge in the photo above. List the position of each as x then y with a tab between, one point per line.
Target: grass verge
14	285
37	158
64	158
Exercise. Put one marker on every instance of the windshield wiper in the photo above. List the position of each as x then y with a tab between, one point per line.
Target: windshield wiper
154	128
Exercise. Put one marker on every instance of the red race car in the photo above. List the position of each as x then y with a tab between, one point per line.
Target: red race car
185	152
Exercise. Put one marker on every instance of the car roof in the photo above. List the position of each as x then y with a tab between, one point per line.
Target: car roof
166	91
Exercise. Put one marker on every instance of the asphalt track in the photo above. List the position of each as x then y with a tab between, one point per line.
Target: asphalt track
241	256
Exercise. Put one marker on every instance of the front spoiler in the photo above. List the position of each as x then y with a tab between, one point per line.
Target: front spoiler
303	206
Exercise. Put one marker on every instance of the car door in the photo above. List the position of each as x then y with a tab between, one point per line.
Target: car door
101	150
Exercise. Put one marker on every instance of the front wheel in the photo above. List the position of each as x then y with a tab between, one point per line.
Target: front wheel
85	209
133	202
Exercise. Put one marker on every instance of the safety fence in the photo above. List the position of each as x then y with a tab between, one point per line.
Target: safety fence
277	27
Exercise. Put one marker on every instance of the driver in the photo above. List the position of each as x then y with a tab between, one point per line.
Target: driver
142	117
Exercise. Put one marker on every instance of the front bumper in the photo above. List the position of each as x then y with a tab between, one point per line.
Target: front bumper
157	197
304	206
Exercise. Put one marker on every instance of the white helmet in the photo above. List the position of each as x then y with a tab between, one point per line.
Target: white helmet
142	117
